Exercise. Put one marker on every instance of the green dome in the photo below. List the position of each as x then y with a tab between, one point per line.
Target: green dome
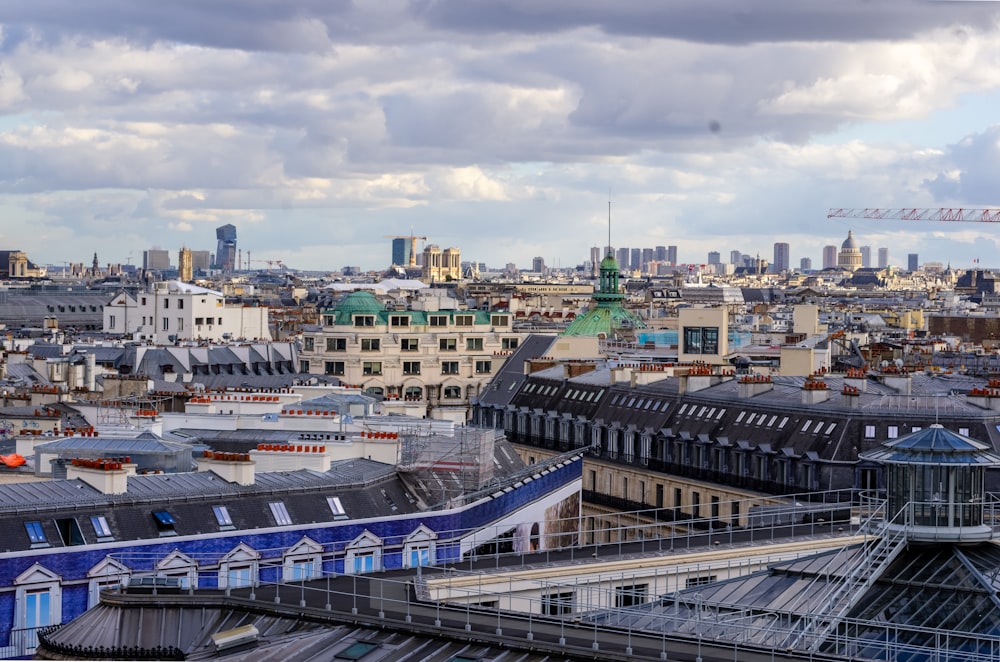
609	262
361	302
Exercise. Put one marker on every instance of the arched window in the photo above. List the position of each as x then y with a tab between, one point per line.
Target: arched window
413	393
377	391
452	392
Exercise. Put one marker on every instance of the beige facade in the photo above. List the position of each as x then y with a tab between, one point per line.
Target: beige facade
703	335
441	266
422	363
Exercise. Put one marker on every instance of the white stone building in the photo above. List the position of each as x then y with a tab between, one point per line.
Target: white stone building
171	311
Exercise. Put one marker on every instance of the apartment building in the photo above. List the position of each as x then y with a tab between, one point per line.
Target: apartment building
422	362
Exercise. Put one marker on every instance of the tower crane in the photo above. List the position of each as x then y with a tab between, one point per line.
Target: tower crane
921	214
413	245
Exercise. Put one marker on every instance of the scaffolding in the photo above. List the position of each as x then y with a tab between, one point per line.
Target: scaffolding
448	467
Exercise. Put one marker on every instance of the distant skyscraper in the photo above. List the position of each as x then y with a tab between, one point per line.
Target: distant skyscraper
883	258
401	251
595	259
225	254
829	257
201	261
660	254
672	255
623	262
782	259
647	259
806	264
635	258
538	265
866	256
714	257
736	257
155	259
913	261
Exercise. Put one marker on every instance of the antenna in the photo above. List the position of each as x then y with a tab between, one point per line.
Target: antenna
609	220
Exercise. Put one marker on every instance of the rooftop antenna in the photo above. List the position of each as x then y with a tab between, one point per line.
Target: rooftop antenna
609	220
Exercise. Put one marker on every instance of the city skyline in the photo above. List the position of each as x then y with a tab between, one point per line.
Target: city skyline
317	129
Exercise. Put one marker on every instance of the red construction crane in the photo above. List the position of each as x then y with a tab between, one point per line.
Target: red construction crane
921	214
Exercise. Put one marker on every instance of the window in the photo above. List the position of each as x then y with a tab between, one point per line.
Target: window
452	392
336	344
438	320
701	340
464	320
413	393
111	321
474	344
371	368
371	344
223	518
69	531
364	320
500	320
509	343
336	507
626	596
484	367
211	320
180	304
280	513
447	344
198	321
411	367
333	368
35	534
166	303
165	522
399	320
101	528
893	432
180	323
166	324
408	345
699	581
329	320
308	343
557	604
449	367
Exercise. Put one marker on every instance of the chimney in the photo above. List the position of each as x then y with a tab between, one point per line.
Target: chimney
815	391
105	476
752	385
232	467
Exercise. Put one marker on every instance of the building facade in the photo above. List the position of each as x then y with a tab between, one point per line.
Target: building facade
425	363
782	257
171	311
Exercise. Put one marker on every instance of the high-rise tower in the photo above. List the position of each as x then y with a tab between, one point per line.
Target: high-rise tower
225	254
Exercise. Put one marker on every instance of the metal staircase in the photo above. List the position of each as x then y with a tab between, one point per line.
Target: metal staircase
844	592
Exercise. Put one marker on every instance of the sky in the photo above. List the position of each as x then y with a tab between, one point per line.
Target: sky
500	127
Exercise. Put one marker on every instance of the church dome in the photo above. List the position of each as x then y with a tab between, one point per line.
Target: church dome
849	243
609	262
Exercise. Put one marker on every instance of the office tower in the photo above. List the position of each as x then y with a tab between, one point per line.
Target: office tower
735	257
829	257
647	259
155	259
538	264
866	256
225	254
635	259
185	265
401	251
201	261
714	257
623	262
883	258
595	259
912	261
672	255
782	261
806	264
660	254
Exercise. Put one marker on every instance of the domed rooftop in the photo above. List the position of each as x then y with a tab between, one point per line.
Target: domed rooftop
609	262
849	243
361	302
934	445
